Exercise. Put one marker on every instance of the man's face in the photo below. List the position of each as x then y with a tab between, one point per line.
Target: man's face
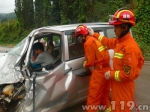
37	52
81	39
118	30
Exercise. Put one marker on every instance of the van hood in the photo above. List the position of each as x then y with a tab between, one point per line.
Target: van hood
8	61
3	57
8	74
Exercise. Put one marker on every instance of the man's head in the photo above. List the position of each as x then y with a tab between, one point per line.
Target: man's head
123	20
81	32
38	48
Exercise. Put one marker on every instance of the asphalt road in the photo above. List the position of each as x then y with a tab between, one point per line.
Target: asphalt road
142	90
4	49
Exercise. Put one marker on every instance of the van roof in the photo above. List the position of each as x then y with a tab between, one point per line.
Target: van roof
73	26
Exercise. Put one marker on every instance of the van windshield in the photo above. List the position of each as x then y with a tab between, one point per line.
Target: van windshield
18	49
14	54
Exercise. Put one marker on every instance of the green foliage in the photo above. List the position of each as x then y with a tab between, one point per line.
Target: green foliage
81	9
100	12
114	5
5	17
10	33
64	19
73	11
25	13
143	22
38	13
55	13
142	28
47	12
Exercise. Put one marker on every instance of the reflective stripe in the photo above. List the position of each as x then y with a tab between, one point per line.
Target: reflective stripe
118	55
100	37
102	48
123	11
81	26
117	76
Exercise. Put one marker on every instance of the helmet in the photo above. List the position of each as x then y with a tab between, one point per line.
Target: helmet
122	16
81	30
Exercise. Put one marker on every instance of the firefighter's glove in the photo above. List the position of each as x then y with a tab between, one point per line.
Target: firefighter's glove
91	31
84	63
107	75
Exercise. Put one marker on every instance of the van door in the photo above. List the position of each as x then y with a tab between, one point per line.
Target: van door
82	77
62	87
75	60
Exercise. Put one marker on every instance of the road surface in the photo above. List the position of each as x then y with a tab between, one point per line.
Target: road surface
4	49
142	90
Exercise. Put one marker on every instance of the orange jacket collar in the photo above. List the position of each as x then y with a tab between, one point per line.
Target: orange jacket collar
126	37
87	37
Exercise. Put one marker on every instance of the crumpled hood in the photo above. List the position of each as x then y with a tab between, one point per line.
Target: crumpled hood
7	72
3	57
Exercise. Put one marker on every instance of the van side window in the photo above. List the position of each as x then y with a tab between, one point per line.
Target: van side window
76	49
110	33
54	40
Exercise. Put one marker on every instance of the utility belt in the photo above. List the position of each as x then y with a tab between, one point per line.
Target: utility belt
101	67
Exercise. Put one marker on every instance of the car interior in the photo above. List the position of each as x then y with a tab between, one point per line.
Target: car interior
76	48
52	44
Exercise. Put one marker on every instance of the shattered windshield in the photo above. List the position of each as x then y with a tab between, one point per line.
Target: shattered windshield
18	49
7	72
14	54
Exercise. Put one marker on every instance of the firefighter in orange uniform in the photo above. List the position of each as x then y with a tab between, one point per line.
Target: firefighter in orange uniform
96	55
127	60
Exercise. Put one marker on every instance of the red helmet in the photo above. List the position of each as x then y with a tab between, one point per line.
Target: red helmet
122	16
81	30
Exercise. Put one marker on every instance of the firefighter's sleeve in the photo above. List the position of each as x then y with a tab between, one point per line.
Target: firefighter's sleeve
132	64
90	55
109	42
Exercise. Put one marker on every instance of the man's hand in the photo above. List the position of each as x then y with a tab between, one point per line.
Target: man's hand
33	58
107	75
91	31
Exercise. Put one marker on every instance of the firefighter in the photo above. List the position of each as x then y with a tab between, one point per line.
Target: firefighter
127	61
96	55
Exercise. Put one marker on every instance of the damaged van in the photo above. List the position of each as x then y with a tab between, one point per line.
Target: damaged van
51	87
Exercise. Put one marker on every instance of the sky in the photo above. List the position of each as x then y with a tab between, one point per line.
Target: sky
7	6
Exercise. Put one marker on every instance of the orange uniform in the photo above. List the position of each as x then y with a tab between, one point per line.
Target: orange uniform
97	55
127	63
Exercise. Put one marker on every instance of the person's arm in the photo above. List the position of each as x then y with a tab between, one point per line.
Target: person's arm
109	42
38	60
90	55
34	58
132	64
43	41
